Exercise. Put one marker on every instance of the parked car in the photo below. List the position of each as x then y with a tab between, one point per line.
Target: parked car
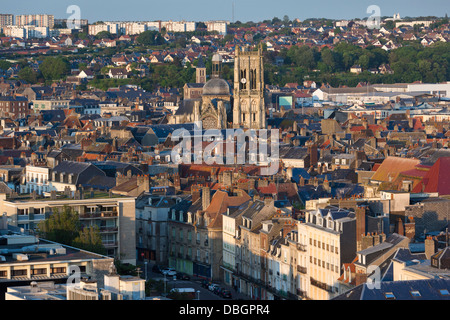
213	286
226	294
218	291
205	284
183	276
169	272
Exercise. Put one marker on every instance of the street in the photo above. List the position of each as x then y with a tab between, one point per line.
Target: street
195	283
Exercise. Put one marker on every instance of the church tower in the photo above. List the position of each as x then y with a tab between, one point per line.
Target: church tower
200	71
249	109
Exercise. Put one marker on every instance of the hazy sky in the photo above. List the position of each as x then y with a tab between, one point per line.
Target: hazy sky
244	10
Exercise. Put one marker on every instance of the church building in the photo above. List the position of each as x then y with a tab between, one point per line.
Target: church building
217	107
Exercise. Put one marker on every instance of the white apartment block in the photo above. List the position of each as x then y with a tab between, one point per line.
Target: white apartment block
35	179
111	27
15	32
37	20
219	26
327	239
179	26
39	105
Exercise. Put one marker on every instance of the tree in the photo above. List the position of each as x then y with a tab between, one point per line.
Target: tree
29	75
54	68
62	226
5	65
150	38
104	35
89	239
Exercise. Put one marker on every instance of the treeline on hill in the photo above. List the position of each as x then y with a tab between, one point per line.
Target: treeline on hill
410	63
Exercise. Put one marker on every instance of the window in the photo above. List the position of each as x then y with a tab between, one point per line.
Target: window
415	293
444	292
18	273
38	271
59	270
389	295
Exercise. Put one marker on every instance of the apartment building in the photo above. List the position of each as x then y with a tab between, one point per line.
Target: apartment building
328	237
36	179
25	259
39	105
281	254
230	234
14	106
248	258
179	26
37	20
196	228
217	26
6	20
114	216
153	213
110	27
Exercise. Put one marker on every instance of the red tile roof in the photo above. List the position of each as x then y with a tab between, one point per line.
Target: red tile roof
437	179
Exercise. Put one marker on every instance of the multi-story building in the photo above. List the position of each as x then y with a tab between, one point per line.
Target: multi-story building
195	232
36	178
15	107
110	27
152	218
179	26
218	26
248	257
114	215
37	20
25	259
6	20
329	237
39	105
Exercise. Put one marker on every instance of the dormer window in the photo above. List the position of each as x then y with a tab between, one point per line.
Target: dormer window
181	217
173	215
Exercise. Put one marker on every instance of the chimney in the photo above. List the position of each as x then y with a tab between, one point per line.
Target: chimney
430	247
206	197
195	192
360	213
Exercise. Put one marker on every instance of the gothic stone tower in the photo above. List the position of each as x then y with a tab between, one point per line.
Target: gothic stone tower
248	109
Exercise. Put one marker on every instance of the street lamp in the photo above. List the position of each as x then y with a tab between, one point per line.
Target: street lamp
145	263
198	294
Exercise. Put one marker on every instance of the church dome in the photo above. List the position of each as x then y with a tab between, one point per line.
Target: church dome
216	87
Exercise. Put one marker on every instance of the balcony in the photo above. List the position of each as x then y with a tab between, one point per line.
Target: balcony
302	294
98	214
108	229
23	217
301	269
110	244
301	247
322	285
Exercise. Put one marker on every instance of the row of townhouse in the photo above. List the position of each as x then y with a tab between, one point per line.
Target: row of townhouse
269	255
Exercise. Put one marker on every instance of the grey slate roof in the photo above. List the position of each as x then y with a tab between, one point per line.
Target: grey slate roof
430	289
